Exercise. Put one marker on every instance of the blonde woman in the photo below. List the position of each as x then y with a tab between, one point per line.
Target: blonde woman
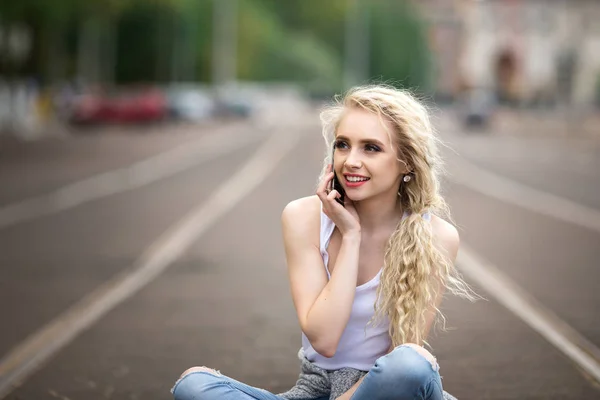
369	259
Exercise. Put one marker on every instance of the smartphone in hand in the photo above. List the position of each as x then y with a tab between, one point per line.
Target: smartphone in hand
335	185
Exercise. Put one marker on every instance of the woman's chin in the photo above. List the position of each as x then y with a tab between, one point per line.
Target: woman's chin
362	196
355	197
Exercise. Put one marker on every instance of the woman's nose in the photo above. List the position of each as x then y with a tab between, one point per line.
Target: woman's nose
353	161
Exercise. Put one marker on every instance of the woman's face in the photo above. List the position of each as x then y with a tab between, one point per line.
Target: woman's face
365	160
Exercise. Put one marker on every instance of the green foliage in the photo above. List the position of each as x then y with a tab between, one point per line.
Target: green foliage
139	35
399	48
268	50
278	40
58	11
323	19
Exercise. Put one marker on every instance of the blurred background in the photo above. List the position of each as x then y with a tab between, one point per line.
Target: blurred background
147	148
70	62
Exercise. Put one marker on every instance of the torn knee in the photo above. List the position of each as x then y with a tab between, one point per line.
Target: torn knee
407	363
200	369
426	354
187	386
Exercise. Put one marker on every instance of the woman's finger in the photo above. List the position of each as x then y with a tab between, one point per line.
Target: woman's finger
322	188
333	195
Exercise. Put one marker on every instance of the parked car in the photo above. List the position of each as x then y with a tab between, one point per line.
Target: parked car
126	107
190	103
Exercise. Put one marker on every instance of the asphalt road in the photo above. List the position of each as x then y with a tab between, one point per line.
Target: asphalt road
225	301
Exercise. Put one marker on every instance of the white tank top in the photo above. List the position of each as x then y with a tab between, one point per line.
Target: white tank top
357	348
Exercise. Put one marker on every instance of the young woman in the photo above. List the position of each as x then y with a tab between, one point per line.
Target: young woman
367	276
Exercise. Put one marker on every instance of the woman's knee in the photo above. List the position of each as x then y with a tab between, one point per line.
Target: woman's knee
424	353
409	363
200	369
196	381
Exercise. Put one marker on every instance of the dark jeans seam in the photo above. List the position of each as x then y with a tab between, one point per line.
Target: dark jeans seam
433	379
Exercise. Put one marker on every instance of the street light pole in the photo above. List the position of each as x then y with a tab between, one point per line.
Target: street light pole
224	60
356	44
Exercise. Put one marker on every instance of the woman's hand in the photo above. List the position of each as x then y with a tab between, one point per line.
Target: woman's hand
344	217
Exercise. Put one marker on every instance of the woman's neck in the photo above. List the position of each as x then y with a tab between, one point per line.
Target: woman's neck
377	213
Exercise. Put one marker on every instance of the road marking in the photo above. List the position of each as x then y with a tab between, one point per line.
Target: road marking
551	327
530	311
509	191
28	356
152	169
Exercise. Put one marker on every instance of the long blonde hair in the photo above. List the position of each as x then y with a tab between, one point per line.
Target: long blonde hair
414	271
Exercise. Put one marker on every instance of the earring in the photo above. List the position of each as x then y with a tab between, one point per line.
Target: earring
406	179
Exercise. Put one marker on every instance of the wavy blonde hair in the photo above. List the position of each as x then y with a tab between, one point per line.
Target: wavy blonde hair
415	272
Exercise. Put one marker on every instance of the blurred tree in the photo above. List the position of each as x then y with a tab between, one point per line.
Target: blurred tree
400	52
145	35
51	25
44	23
324	20
271	51
162	40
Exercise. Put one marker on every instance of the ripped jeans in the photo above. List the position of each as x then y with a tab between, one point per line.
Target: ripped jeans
403	374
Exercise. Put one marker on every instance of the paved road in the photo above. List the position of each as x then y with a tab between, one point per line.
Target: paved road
225	302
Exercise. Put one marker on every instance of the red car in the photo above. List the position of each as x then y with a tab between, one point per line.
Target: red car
143	106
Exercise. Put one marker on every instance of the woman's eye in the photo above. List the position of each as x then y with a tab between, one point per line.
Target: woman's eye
340	145
372	147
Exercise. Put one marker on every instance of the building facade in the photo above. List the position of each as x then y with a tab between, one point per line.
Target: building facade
527	51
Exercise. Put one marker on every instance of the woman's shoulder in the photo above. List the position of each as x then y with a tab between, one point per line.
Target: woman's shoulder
303	214
445	235
303	205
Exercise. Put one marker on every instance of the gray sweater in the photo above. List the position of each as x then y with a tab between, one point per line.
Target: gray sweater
315	382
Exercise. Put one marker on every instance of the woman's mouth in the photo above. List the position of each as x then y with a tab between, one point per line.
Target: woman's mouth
355	181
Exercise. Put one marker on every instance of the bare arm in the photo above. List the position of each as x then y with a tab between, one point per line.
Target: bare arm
331	310
323	306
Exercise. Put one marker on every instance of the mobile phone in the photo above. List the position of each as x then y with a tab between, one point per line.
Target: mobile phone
336	185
